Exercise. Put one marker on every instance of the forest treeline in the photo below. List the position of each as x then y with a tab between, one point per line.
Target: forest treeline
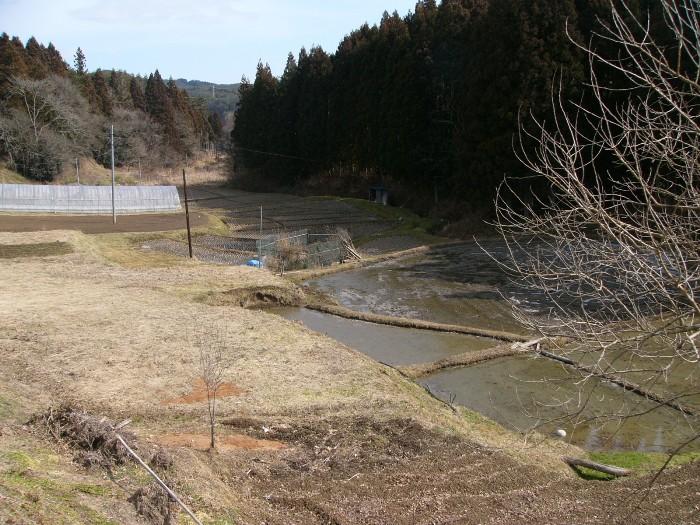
52	114
428	104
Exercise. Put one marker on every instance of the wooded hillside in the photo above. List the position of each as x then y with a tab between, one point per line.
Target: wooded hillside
427	104
52	114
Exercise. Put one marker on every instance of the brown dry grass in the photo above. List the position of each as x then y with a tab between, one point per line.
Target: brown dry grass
78	328
108	330
203	169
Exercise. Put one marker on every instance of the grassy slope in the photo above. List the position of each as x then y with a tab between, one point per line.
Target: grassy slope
103	325
118	361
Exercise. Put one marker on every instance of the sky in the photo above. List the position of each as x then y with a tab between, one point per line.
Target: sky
211	40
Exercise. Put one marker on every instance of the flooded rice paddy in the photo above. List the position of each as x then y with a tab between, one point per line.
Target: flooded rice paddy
463	285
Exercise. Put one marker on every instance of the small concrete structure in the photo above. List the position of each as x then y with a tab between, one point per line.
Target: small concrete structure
88	199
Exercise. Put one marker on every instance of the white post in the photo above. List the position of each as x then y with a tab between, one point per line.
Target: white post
114	210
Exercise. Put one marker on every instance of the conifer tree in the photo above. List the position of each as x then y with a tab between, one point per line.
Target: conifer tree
56	64
137	96
160	107
79	62
12	63
103	97
217	126
37	59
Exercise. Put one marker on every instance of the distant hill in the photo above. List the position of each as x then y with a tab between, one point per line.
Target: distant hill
220	98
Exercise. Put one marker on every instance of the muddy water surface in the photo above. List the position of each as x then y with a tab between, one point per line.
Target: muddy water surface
457	285
463	285
388	344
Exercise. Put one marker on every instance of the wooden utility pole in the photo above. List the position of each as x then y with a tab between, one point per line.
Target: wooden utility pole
187	211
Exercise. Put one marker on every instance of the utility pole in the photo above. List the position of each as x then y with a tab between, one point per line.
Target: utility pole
187	212
114	210
261	240
77	169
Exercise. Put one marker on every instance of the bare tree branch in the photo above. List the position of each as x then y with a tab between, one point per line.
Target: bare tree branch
614	248
215	359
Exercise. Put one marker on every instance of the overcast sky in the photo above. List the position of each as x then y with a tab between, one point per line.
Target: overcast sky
211	40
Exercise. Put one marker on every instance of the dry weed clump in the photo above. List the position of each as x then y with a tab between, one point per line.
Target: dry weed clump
153	503
93	437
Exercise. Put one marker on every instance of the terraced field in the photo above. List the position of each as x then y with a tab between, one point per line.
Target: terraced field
242	211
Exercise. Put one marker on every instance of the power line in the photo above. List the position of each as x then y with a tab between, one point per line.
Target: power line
275	154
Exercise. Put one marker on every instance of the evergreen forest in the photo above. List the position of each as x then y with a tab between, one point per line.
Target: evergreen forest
428	105
52	114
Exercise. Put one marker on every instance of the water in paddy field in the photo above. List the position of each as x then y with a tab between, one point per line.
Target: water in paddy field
457	285
463	285
388	344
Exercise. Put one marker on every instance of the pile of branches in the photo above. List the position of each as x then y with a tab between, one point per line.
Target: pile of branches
94	438
97	442
350	249
154	504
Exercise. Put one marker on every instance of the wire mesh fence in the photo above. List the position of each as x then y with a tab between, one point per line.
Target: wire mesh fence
299	250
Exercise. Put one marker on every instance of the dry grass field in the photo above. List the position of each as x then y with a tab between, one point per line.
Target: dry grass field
310	431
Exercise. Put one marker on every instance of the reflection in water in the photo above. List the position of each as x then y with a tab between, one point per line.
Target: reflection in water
526	393
457	285
463	285
388	344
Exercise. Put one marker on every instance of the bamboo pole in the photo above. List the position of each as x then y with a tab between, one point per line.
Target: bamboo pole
160	482
600	467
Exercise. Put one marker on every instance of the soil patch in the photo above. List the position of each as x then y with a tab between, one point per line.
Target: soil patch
199	393
364	471
42	249
231	442
148	222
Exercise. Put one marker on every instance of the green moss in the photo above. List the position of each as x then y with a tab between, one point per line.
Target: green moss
42	249
5	408
86	488
39	460
642	463
44	500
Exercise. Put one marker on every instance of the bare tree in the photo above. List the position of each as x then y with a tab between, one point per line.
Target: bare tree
214	362
44	123
615	247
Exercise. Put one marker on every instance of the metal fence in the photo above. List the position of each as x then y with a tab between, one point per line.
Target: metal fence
269	246
298	250
325	253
